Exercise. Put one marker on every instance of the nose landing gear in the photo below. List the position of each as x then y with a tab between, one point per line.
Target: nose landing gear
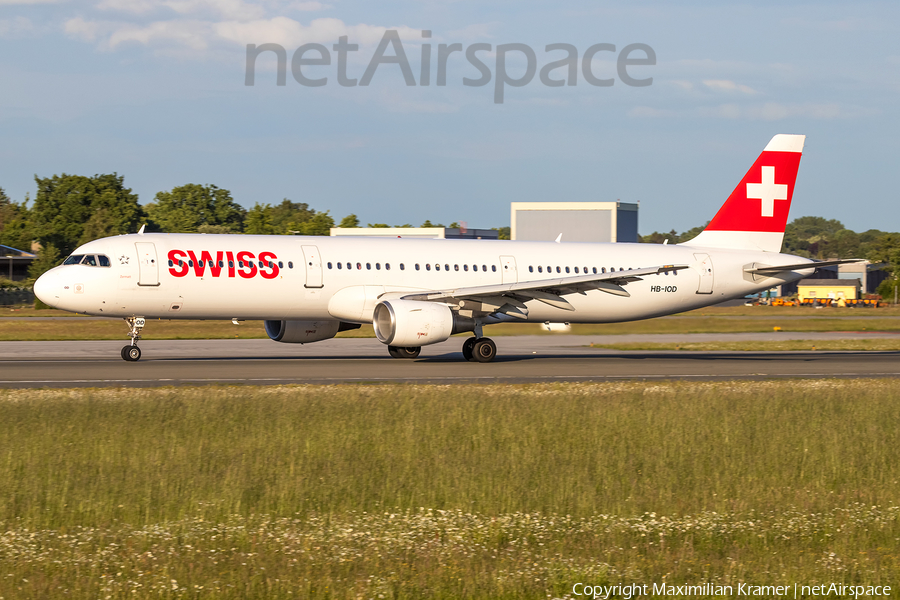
132	353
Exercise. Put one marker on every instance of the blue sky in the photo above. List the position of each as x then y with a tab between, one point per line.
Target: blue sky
155	91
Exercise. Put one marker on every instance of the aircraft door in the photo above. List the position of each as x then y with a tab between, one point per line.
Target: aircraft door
508	269
705	266
313	266
147	264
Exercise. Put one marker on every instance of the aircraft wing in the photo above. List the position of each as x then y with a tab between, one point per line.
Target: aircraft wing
509	298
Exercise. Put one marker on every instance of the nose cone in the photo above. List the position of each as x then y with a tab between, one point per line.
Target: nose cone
46	288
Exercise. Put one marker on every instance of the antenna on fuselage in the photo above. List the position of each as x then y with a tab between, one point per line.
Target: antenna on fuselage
141	230
559	238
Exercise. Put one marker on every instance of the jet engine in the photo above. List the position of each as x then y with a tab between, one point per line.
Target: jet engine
304	332
412	323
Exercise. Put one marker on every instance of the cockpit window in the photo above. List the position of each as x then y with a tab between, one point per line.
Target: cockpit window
91	260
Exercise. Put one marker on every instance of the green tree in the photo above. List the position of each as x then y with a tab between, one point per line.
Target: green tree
72	209
259	220
48	257
428	223
188	207
505	232
349	221
320	224
15	226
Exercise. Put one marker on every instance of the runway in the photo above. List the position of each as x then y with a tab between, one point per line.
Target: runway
521	359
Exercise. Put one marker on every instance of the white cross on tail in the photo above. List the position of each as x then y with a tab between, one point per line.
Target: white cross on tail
768	191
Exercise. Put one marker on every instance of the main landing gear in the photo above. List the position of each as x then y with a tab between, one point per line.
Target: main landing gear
132	353
400	352
479	349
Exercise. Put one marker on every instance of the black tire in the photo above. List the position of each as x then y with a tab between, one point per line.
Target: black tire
394	351
412	352
131	353
122	353
485	350
467	348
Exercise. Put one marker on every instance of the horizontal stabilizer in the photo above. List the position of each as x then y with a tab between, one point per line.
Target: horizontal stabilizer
802	266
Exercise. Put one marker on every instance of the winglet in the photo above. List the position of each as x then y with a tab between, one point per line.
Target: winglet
141	230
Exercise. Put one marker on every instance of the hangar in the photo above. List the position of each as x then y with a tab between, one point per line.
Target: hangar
576	221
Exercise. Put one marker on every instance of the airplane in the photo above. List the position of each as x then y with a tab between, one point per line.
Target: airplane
417	292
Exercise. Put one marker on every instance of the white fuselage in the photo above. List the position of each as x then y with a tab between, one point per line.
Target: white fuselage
343	278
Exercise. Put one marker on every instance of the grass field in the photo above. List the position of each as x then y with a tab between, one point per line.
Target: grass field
883	345
708	320
446	492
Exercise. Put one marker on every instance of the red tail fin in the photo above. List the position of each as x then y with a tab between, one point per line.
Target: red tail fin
756	212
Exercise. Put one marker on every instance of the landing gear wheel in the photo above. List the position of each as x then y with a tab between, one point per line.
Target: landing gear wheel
484	350
131	353
401	352
412	352
467	348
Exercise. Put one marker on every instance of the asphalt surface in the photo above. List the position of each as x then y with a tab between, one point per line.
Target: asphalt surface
520	359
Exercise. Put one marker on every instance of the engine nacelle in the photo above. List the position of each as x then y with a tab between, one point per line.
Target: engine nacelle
411	323
304	332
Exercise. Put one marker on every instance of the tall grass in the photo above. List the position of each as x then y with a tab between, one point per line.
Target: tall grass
456	491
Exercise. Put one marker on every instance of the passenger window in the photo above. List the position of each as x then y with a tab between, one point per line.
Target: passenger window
456	267
558	270
180	263
474	267
261	264
230	264
595	269
540	269
358	266
427	266
402	267
171	263
437	267
329	265
280	264
377	266
368	266
191	263
240	264
484	268
104	260
567	269
576	269
387	266
74	259
530	269
340	265
271	265
494	268
417	266
465	267
200	263
446	267
290	264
